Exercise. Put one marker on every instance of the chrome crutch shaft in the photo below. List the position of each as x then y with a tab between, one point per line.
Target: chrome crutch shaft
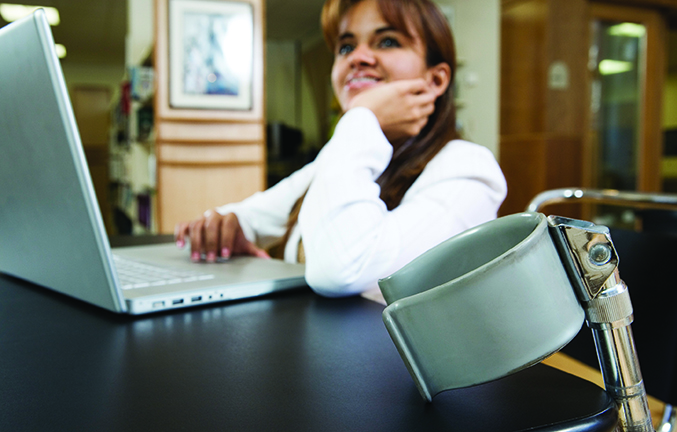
609	316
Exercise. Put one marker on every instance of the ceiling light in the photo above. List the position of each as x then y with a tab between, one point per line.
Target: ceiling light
12	12
60	50
627	29
610	67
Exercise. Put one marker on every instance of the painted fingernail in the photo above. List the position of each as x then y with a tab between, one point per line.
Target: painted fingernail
180	244
195	256
225	253
211	257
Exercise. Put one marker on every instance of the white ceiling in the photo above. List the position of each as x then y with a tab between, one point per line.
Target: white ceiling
93	31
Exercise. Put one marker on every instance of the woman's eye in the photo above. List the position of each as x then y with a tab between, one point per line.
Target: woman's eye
345	49
389	42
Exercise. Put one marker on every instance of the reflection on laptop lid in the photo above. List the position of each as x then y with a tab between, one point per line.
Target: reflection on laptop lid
51	229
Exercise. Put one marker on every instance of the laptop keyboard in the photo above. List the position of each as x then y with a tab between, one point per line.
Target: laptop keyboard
133	274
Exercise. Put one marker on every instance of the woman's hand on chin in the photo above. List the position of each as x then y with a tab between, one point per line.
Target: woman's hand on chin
401	107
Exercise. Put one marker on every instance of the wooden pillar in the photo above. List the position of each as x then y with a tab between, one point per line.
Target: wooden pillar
206	156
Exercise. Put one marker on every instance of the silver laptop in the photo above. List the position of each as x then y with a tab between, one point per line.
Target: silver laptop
51	231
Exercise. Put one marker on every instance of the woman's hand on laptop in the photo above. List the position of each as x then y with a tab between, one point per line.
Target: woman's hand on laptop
215	235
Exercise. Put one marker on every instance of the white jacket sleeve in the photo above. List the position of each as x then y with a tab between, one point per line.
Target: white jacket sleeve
350	238
263	216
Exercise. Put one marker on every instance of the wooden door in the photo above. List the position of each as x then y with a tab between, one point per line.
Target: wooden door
543	97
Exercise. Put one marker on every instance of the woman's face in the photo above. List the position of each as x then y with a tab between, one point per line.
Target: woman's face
370	52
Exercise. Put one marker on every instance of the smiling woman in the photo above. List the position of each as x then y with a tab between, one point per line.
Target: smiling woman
393	181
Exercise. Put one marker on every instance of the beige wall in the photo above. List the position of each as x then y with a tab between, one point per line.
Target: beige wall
140	35
281	82
316	93
109	76
298	90
476	27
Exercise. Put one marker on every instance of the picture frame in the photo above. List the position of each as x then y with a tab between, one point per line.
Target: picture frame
211	50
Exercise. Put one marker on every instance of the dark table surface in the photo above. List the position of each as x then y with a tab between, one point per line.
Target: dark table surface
286	362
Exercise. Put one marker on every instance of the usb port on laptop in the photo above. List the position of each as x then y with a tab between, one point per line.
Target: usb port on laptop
196	299
177	301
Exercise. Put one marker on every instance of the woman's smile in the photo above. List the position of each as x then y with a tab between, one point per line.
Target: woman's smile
361	80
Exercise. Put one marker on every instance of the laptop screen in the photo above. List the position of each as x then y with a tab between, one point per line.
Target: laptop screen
50	225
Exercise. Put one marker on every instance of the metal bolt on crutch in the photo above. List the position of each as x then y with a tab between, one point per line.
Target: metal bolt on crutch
591	261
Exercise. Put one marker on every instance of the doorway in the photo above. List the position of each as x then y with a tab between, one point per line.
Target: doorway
624	144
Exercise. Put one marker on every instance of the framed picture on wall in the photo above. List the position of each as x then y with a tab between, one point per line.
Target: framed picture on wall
211	46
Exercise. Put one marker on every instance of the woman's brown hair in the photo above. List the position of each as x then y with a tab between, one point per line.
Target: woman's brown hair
409	160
